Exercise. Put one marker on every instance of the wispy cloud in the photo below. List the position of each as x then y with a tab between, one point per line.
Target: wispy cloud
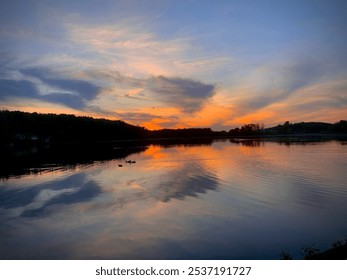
135	50
276	82
320	100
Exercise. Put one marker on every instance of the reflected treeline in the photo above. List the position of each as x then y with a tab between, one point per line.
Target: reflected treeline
27	160
247	142
288	141
16	161
185	142
30	159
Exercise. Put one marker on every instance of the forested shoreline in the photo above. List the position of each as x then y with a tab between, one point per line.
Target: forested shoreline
18	127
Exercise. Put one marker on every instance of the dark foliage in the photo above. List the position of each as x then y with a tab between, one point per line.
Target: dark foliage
247	130
307	128
338	251
20	127
290	129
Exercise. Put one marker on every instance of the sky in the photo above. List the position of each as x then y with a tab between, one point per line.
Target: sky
174	64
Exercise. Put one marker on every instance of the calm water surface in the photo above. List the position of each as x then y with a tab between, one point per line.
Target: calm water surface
248	200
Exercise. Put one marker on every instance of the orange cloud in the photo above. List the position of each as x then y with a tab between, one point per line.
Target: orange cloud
256	117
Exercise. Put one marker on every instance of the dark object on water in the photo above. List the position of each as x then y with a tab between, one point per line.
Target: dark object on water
120	165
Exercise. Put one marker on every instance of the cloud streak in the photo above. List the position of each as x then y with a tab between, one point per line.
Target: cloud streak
276	83
134	50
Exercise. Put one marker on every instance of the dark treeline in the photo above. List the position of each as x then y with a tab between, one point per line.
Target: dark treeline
308	128
290	129
20	128
247	130
29	159
16	126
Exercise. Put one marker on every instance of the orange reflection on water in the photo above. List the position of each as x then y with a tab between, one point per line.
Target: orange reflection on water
154	152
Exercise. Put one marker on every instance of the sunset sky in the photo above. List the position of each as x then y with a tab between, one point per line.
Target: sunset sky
173	64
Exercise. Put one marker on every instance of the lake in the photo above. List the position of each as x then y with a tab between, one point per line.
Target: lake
214	200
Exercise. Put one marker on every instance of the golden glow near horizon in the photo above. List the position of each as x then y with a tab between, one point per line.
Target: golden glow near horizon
174	66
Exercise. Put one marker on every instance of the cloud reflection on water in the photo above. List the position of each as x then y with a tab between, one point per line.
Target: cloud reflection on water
227	200
187	179
34	200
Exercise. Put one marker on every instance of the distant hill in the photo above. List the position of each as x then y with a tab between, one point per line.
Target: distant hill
290	129
308	128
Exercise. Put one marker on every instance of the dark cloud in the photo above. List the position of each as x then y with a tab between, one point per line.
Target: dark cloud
85	89
74	93
189	95
69	100
186	94
11	89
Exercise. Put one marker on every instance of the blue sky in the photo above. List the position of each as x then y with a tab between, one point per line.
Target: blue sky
216	64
